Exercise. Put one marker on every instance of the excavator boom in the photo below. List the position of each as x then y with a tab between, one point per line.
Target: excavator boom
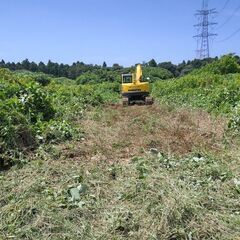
139	73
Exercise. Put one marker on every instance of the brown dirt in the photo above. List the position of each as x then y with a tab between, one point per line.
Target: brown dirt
118	134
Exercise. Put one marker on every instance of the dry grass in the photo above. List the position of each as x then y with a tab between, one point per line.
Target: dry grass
121	133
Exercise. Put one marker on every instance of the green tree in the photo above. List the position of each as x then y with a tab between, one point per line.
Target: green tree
25	64
116	66
52	68
104	64
152	63
33	67
170	67
42	67
2	63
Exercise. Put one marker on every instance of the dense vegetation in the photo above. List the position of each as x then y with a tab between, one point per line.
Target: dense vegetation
37	109
215	87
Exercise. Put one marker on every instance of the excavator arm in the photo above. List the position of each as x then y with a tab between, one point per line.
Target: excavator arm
139	73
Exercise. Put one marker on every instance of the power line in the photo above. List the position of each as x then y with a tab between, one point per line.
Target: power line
230	36
204	35
229	18
225	5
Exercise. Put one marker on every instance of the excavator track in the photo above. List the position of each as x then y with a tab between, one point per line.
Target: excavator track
125	102
149	101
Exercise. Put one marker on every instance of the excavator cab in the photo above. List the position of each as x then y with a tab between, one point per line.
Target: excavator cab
134	89
127	78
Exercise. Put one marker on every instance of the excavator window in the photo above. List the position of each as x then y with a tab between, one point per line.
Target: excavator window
127	79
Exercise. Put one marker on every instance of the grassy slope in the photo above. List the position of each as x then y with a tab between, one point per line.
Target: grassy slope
186	190
215	87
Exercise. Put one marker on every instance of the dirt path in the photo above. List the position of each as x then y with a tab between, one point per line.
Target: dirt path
116	133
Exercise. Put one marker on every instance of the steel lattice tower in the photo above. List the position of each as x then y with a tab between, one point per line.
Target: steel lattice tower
203	30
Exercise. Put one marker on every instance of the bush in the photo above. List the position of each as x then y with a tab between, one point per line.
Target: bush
156	73
15	131
43	80
56	131
99	76
234	122
225	65
36	103
23	103
87	78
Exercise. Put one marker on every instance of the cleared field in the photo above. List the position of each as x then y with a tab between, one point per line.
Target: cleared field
141	173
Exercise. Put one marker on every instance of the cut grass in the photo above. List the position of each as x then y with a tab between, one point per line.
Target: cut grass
187	189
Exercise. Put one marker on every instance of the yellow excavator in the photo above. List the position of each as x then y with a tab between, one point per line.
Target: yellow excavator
135	89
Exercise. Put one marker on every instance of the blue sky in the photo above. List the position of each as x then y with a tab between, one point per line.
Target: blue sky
115	31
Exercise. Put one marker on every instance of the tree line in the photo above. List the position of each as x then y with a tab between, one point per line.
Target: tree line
76	69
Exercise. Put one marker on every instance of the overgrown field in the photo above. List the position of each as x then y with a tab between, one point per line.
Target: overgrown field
77	165
215	88
36	109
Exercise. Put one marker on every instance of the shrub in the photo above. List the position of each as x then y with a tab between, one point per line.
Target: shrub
87	78
234	122
156	73
15	131
23	103
57	131
43	80
36	103
99	76
225	65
